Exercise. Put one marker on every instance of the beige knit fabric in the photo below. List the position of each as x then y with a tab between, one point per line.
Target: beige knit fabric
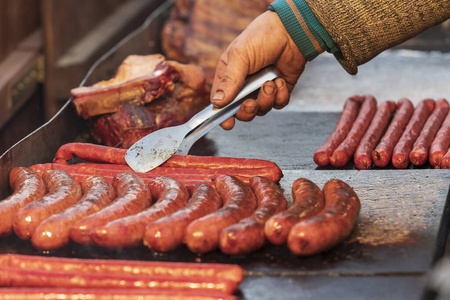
364	28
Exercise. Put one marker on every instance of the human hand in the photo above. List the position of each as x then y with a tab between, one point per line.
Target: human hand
264	42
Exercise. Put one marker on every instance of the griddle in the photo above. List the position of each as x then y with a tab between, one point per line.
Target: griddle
400	233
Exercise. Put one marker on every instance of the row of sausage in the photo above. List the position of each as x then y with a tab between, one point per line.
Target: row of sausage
229	215
390	133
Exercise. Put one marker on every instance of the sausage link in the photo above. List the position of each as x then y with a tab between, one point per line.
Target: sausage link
239	202
64	191
343	125
445	161
133	195
441	143
419	153
26	186
331	226
344	152
400	154
247	235
382	154
90	152
53	232
363	154
308	201
129	231
167	233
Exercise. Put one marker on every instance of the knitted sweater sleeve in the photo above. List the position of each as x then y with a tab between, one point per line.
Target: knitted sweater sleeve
364	28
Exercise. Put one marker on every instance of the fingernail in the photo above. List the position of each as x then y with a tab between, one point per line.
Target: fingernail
250	109
218	96
268	89
279	83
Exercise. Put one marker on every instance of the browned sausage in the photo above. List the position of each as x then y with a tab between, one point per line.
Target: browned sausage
441	143
127	232
383	151
53	232
26	186
64	191
331	226
247	235
400	154
239	202
344	152
445	161
308	201
419	153
167	233
343	125
363	154
133	195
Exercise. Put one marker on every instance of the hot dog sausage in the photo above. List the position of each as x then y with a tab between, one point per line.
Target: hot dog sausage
363	154
400	154
382	154
441	143
127	232
53	232
27	186
239	202
308	201
344	152
419	153
133	195
331	226
64	191
247	235
343	125
167	233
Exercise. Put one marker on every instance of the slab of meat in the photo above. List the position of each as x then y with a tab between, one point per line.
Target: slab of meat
198	31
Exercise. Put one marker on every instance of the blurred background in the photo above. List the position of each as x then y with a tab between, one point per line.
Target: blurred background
48	46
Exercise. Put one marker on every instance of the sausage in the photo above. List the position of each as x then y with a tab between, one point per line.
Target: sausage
344	152
167	233
128	232
239	202
308	200
107	294
90	152
363	154
247	235
19	277
382	154
331	226
53	232
419	153
133	195
64	191
230	272
440	144
400	154
347	117
445	161
26	186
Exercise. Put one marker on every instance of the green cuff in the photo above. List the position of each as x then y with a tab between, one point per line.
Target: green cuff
304	28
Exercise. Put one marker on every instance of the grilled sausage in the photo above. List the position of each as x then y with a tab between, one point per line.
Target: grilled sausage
133	195
167	233
27	186
343	125
64	191
239	202
441	143
247	235
129	231
53	232
400	154
419	153
363	154
308	201
344	152
382	154
445	161
331	226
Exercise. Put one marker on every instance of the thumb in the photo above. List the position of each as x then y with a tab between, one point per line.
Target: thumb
228	81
